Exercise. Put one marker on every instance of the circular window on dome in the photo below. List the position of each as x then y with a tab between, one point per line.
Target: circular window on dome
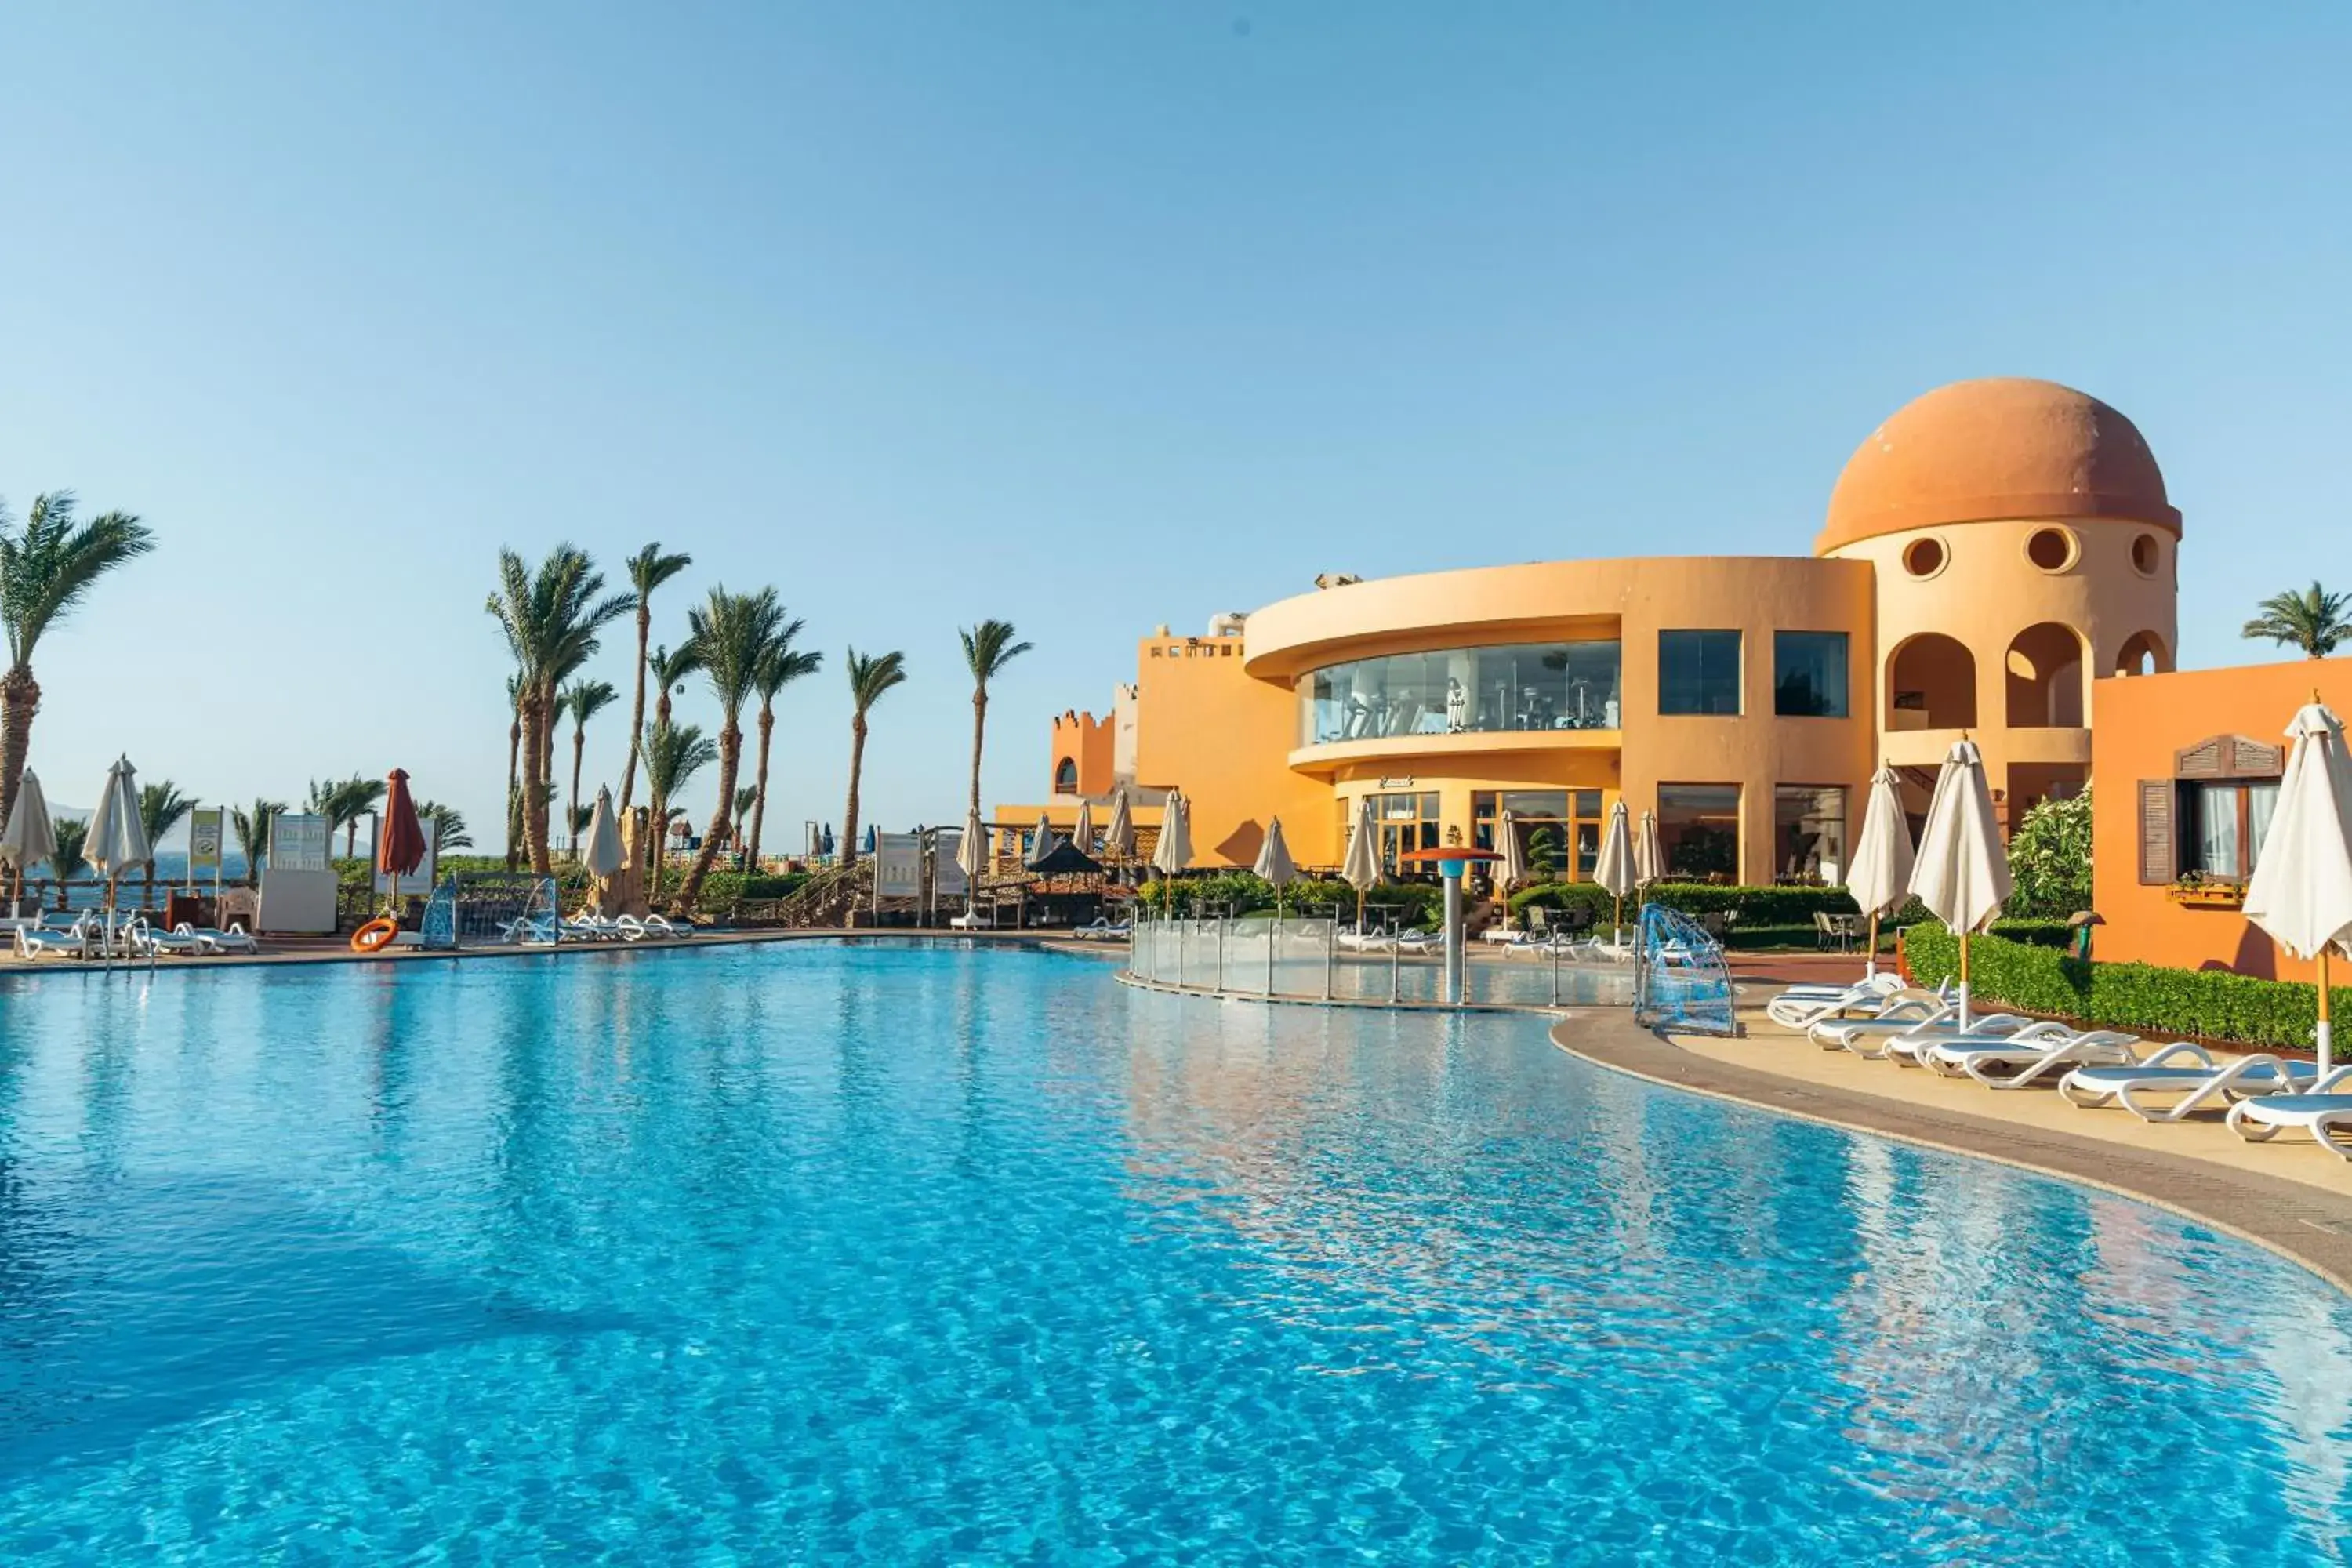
2051	549
2147	554
1924	557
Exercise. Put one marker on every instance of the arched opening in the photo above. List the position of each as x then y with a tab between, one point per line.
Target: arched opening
1065	776
2045	678
2143	653
1931	684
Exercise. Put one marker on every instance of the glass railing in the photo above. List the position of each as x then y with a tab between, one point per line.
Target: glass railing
1310	959
1532	686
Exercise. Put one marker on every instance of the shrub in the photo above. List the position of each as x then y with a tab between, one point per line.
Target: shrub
1244	892
722	889
2213	1003
2050	857
1753	906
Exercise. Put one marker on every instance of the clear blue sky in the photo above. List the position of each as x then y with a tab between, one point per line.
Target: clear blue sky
1088	316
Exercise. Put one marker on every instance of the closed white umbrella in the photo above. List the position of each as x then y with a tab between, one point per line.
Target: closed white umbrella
972	858
1880	875
1174	850
1082	832
118	836
1616	870
1044	845
1649	859
1512	870
1275	864
1119	837
600	852
30	836
1961	872
2301	891
1361	869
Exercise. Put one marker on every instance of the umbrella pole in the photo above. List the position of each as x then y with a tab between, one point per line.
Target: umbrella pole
2324	1037
1617	922
1964	983
1870	971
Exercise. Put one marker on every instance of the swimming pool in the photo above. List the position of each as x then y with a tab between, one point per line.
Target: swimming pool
908	1254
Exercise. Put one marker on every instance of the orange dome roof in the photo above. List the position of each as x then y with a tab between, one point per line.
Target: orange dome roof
2003	448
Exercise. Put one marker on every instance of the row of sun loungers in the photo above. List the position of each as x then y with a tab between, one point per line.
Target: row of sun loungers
587	926
1881	1020
89	935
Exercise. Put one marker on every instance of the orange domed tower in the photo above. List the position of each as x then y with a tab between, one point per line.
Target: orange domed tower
2023	545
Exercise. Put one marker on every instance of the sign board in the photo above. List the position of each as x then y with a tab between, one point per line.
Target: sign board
948	880
299	841
898	865
205	826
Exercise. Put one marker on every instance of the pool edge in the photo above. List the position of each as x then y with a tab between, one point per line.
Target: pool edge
2263	1211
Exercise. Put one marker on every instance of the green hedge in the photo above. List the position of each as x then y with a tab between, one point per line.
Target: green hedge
1754	906
722	889
1245	893
2213	1002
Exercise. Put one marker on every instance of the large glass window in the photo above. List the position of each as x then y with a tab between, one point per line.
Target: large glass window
1533	686
1698	672
1559	829
2224	825
1808	833
1698	831
1809	674
1407	821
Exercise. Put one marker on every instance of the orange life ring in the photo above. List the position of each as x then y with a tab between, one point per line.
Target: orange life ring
375	934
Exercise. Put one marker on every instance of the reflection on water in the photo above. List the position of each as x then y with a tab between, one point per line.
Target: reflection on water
928	1254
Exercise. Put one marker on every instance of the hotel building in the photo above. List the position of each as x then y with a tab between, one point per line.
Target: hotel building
1988	553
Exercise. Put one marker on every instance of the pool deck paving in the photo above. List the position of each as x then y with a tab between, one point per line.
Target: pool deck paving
2289	1194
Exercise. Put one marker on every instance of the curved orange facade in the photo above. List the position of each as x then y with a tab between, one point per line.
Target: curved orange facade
1990	552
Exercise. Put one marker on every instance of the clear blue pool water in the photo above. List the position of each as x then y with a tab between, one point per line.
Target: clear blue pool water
877	1253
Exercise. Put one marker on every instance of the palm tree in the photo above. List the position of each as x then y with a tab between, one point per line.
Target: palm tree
673	756
670	671
584	699
47	568
745	797
68	861
648	570
514	770
988	647
342	802
2313	621
360	796
551	618
445	826
162	807
870	677
732	633
783	665
252	828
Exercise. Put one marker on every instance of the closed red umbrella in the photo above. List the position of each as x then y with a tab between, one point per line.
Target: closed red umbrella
400	843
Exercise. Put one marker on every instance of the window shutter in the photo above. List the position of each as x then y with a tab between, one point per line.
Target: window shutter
2255	761
2205	760
2156	860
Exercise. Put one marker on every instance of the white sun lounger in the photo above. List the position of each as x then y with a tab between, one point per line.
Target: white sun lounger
1899	1014
541	929
2025	1057
36	942
1910	1048
2319	1110
236	939
2186	1072
181	941
1801	1006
